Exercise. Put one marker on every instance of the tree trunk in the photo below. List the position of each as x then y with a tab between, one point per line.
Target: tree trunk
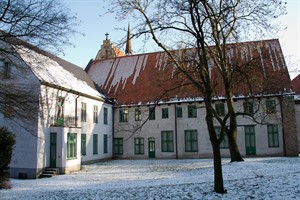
233	147
218	175
235	154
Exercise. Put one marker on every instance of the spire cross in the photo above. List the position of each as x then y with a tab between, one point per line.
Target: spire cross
106	34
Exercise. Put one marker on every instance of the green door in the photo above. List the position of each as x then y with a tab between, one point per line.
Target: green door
250	140
52	150
151	147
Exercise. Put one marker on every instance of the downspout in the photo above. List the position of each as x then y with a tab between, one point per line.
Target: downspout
176	141
76	115
283	134
112	102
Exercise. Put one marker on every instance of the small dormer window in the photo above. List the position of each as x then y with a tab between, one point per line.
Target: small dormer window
5	68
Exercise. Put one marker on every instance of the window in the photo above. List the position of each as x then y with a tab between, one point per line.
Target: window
118	146
164	113
60	111
167	141
83	144
273	139
123	115
138	114
138	145
8	107
95	143
248	107
72	146
105	116
191	140
271	106
224	143
152	113
6	69
83	112
220	109
179	112
105	147
95	114
192	111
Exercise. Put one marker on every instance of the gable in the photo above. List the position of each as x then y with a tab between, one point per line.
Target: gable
148	78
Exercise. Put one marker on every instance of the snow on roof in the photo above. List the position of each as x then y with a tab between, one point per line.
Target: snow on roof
151	77
52	71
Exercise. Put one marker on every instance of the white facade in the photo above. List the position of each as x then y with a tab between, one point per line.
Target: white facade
151	131
47	115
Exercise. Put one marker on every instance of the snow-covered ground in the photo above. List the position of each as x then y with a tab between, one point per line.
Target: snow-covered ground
256	178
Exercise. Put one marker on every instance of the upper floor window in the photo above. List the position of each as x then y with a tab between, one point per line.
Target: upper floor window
271	106
152	113
248	107
105	115
95	114
179	112
192	111
123	115
138	114
60	111
220	109
164	113
5	68
83	112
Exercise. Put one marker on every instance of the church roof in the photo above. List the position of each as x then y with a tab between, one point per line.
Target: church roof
149	78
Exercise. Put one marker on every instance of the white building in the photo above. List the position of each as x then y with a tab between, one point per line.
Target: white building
160	114
53	107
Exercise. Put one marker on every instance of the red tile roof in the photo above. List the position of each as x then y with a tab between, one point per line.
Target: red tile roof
146	78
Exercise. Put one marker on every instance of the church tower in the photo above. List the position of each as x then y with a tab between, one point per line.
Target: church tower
128	50
108	50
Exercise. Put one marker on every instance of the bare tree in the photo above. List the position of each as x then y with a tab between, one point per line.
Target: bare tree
34	24
207	26
47	24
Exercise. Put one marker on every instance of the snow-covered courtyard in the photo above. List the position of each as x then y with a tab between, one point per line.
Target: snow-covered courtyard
256	178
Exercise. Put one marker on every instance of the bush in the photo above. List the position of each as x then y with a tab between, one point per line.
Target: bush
7	142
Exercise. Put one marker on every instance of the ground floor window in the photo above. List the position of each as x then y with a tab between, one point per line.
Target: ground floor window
167	141
273	139
95	143
105	148
83	144
138	145
191	140
118	146
72	146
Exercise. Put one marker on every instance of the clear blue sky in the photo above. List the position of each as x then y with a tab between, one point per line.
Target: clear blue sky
94	26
